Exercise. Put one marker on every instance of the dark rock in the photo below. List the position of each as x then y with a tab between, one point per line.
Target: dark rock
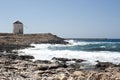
24	76
61	59
42	61
75	66
42	67
103	65
117	65
59	64
25	57
8	56
9	47
10	67
64	60
11	56
78	60
15	56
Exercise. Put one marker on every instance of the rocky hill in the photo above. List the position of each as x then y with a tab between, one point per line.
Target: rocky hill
15	41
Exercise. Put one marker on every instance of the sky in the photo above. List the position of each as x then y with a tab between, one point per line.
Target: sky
65	18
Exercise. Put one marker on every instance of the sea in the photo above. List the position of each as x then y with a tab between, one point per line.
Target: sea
104	50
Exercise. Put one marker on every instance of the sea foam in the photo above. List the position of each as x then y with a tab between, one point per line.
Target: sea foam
43	52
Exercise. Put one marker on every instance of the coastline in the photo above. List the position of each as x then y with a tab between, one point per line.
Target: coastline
9	41
22	67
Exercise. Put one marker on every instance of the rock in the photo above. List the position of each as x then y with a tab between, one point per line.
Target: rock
78	74
25	57
75	66
103	65
66	59
8	47
42	67
112	69
53	65
10	68
61	59
10	56
24	76
15	67
42	61
16	57
78	60
61	76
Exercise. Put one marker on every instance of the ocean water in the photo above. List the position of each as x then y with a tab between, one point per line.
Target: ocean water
107	50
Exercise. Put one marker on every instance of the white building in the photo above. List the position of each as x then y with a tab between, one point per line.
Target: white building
18	27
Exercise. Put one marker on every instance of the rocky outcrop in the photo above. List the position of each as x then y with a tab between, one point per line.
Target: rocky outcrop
104	65
16	67
9	47
66	59
15	56
9	41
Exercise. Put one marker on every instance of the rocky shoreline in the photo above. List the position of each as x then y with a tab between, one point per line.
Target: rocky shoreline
9	42
22	67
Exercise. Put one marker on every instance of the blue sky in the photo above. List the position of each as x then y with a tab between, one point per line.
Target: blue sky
65	18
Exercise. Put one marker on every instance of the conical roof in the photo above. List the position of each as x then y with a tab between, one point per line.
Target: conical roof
17	22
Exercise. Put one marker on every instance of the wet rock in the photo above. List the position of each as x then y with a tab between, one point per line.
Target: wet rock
9	56
103	65
78	60
25	57
75	66
61	59
16	57
66	59
8	47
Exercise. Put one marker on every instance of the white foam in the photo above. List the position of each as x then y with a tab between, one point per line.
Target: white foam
73	42
42	52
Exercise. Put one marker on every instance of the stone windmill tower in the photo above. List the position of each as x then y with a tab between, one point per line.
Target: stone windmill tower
18	27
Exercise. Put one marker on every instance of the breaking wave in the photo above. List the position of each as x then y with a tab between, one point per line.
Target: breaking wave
90	51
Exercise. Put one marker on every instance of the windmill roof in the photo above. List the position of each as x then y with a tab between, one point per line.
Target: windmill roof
17	22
